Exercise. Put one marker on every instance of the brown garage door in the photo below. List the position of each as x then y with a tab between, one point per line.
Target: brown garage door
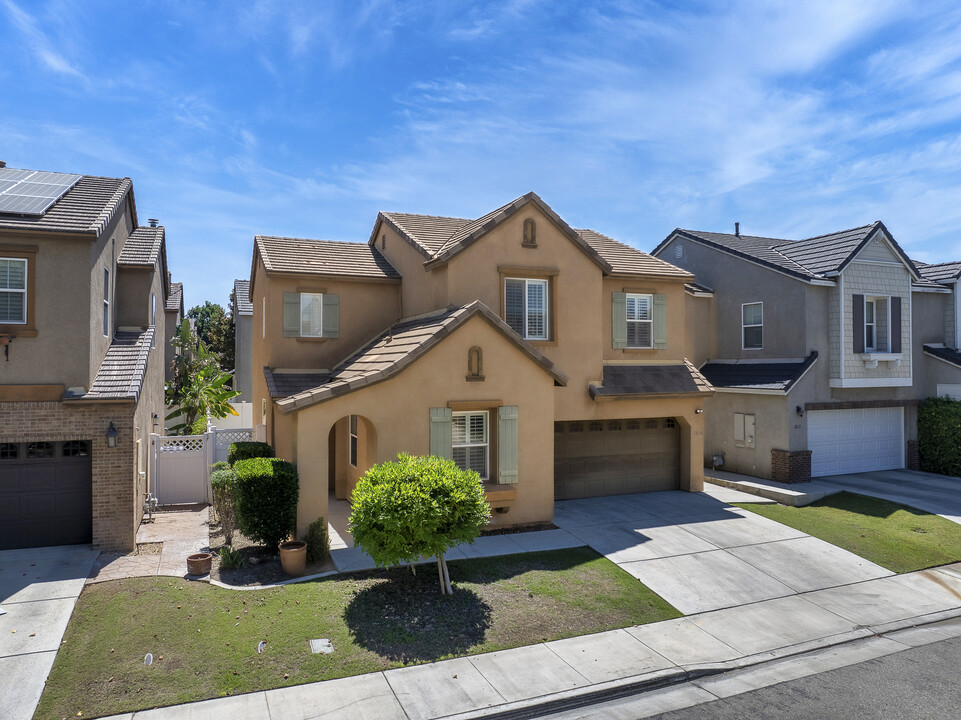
45	494
615	457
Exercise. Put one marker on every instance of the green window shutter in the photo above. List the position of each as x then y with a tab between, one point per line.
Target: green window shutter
660	322
291	314
619	320
507	444
331	316
440	436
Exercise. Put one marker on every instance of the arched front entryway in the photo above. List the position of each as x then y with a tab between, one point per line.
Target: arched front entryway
351	450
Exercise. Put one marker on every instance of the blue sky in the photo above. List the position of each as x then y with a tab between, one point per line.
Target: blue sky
632	118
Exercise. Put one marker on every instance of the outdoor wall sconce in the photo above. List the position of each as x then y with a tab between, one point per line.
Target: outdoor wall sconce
154	419
111	436
799	411
699	411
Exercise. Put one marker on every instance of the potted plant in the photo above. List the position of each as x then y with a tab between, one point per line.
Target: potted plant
293	556
199	563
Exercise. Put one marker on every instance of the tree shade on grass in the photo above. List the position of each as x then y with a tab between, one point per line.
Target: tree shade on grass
894	536
204	638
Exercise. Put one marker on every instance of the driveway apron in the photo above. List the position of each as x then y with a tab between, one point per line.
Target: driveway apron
701	554
38	590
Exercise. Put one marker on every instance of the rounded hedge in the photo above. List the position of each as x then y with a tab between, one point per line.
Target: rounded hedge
247	450
416	507
265	494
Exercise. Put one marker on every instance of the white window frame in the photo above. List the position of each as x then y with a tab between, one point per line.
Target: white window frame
352	422
873	299
486	444
310	296
745	327
741	437
22	291
649	322
547	305
873	325
106	302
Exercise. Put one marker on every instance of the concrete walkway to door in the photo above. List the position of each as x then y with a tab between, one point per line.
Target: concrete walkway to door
701	554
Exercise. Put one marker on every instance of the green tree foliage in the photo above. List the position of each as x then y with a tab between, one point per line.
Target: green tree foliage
216	330
265	493
417	507
199	386
939	436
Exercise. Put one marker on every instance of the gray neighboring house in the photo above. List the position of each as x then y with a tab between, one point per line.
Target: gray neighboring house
83	287
819	349
174	315
243	321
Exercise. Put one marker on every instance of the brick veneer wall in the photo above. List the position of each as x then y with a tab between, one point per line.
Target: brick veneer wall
791	467
113	469
913	458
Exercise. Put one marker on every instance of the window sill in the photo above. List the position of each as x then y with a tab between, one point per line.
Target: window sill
300	338
18	331
497	493
871	359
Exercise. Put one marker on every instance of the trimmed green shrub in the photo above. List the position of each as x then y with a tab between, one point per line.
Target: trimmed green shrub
939	436
230	559
222	488
266	491
247	450
318	540
417	507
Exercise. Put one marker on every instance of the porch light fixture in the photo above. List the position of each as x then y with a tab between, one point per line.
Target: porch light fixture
799	411
699	411
111	436
154	419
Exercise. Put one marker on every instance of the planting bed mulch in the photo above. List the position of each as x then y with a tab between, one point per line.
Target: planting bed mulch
519	529
261	564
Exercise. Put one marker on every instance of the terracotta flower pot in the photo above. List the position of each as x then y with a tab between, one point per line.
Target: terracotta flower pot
199	563
293	556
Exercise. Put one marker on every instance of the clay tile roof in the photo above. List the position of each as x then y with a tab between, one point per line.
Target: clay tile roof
175	298
142	248
242	302
825	253
650	380
86	208
939	271
123	368
427	233
400	346
283	384
757	376
625	260
323	257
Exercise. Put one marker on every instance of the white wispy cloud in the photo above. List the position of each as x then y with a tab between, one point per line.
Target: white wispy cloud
39	44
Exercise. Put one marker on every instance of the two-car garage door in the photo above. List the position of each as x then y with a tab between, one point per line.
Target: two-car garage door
45	494
615	457
860	440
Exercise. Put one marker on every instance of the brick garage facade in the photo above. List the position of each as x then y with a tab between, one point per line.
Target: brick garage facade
115	483
790	467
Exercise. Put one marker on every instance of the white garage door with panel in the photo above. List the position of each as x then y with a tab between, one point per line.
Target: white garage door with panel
850	441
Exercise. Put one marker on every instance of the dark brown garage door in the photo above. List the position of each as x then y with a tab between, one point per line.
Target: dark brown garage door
615	457
45	494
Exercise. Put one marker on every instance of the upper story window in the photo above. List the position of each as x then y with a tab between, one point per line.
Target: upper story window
526	307
470	441
311	315
877	322
640	320
13	291
752	326
870	326
106	302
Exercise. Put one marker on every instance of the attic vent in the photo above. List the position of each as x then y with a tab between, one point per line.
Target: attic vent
678	251
383	241
152	222
530	233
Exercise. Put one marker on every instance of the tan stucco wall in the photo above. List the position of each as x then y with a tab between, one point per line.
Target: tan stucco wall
423	290
104	253
701	336
399	412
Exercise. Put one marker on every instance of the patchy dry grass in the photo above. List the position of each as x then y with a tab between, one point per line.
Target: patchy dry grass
204	638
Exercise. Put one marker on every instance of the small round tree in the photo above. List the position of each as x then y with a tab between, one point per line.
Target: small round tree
417	507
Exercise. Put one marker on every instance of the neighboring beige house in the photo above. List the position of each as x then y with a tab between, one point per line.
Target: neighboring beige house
243	311
819	349
551	360
83	292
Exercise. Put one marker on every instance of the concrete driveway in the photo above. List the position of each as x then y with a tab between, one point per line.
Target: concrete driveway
38	590
701	554
938	494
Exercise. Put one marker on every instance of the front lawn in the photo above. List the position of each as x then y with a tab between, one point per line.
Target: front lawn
894	536
204	639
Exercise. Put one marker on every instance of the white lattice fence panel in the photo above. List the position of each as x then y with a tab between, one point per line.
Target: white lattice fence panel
190	444
225	438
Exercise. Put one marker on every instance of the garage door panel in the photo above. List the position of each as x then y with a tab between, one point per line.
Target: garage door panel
855	440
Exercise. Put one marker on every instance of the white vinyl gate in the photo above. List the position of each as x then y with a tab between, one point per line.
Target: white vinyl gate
180	465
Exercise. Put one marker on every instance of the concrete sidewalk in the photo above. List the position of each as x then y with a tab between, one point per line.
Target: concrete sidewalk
565	674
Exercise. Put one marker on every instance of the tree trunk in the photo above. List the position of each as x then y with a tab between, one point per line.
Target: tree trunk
450	590
440	573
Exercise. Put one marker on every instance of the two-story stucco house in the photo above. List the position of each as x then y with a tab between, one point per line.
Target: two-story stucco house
243	312
83	292
819	349
548	359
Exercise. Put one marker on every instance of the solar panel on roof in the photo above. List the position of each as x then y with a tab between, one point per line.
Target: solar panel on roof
32	192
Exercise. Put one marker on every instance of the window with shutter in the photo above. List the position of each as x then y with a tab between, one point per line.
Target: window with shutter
639	311
13	291
526	308
470	442
311	315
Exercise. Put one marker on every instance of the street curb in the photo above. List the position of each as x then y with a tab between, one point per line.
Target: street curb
658	680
